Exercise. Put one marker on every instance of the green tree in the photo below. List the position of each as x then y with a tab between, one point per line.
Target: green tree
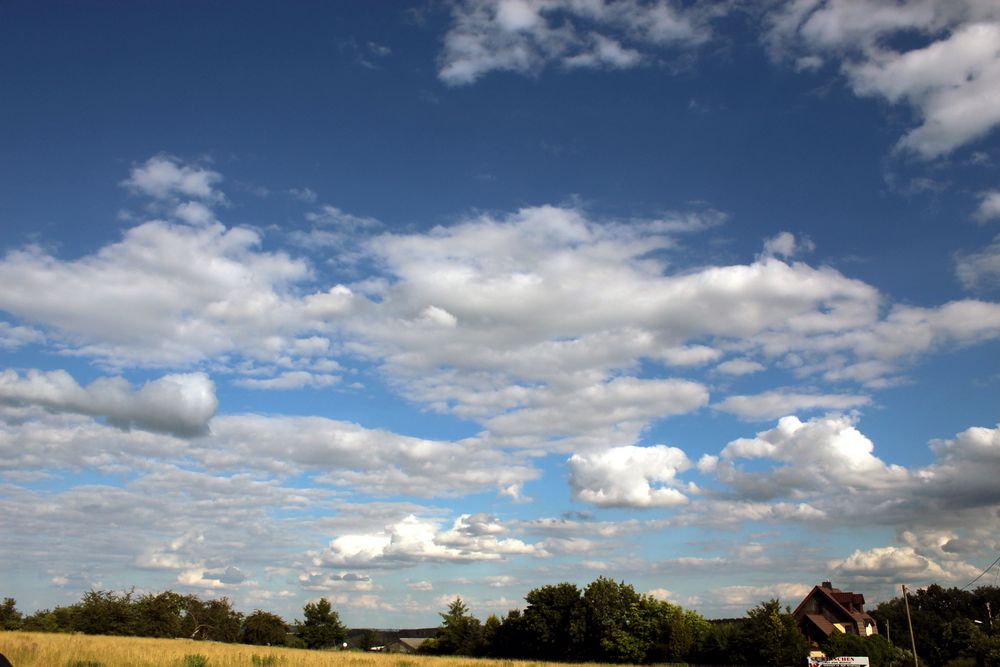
160	615
880	652
612	617
105	613
264	629
770	636
60	619
553	625
10	617
670	633
719	646
944	622
460	633
215	620
509	640
322	627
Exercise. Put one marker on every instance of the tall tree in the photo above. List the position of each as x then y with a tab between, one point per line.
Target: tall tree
460	633
321	627
554	622
105	613
612	614
215	620
10	617
264	629
770	636
160	615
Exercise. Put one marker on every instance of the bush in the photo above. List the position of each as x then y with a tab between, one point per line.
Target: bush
264	660
84	663
195	661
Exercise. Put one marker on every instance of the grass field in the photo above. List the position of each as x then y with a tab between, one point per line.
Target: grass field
33	649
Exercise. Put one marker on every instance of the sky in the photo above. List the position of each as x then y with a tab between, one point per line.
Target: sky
390	303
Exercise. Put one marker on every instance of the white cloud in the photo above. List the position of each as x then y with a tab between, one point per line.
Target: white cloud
177	404
786	245
780	402
740	367
618	410
290	380
412	541
346	454
979	269
204	578
164	176
949	81
662	594
893	565
524	36
13	337
629	476
821	455
335	217
989	206
164	295
745	597
304	194
194	213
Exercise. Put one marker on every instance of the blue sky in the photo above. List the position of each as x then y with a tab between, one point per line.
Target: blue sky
464	298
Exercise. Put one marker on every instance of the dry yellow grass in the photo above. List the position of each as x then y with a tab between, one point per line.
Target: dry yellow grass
33	649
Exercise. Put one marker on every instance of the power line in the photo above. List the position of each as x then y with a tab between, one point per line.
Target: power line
988	568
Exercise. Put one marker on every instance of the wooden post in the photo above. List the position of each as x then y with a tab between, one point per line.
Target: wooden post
913	641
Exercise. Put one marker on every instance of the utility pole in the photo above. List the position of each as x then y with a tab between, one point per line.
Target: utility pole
888	638
913	641
989	615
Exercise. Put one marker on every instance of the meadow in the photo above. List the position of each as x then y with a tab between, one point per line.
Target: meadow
35	649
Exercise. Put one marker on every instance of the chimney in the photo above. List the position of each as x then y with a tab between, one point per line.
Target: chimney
826	584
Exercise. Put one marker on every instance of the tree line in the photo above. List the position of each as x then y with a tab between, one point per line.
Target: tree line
172	615
609	622
606	621
952	627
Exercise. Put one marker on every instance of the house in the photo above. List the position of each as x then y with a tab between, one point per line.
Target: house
826	610
405	645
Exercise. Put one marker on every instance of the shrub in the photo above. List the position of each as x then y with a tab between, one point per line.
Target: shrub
264	660
195	661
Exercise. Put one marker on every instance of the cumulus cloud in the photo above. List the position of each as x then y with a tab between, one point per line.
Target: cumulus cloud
413	540
786	245
617	410
779	402
740	367
208	578
290	380
629	476
894	564
164	294
821	454
180	404
533	324
524	36
979	269
349	455
829	471
164	176
989	206
744	597
949	77
13	337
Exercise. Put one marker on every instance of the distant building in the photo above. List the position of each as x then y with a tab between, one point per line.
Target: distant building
405	645
826	610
